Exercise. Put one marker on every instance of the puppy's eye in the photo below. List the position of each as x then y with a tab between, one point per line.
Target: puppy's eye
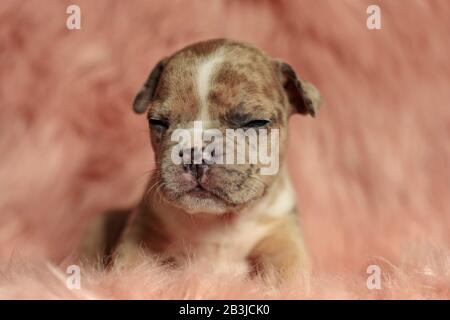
158	124
256	124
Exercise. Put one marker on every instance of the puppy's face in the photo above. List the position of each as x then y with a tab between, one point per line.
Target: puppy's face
221	87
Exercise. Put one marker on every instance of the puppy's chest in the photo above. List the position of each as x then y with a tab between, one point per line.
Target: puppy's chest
221	245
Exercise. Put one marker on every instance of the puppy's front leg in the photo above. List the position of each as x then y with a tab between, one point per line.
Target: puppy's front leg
128	255
281	254
131	250
143	241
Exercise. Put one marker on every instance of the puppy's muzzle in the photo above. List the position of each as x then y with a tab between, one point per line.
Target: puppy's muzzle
196	162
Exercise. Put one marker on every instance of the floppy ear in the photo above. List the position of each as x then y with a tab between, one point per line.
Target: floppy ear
146	94
303	96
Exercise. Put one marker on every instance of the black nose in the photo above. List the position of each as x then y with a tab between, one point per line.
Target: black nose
197	169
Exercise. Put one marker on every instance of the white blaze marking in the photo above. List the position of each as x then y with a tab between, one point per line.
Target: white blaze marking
205	70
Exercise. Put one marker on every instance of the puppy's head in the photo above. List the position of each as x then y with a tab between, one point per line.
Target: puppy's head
224	88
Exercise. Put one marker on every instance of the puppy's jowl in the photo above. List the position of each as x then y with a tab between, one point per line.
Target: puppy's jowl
227	213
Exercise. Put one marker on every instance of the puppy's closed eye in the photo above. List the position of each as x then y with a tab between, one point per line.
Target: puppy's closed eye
256	123
242	119
158	124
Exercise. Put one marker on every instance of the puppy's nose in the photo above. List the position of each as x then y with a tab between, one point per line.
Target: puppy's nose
197	169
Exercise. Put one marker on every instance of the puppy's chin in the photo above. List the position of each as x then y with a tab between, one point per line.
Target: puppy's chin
201	202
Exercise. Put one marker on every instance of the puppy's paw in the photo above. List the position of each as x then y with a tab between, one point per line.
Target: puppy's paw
281	255
128	257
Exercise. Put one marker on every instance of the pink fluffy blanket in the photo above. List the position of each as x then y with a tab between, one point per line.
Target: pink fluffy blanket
372	171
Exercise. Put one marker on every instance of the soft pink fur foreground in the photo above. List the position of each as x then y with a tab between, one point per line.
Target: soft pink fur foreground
372	171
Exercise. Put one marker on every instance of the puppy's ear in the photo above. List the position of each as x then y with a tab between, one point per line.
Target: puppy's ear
303	96
146	94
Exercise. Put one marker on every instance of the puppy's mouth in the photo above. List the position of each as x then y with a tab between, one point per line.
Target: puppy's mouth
201	192
210	194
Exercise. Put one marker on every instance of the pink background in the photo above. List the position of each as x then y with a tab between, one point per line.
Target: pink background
372	171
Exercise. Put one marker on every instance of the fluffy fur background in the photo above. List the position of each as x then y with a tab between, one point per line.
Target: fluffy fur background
372	171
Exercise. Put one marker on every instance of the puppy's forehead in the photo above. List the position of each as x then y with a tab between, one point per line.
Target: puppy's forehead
207	80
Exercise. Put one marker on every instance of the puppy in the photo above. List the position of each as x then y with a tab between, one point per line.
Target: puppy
225	213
